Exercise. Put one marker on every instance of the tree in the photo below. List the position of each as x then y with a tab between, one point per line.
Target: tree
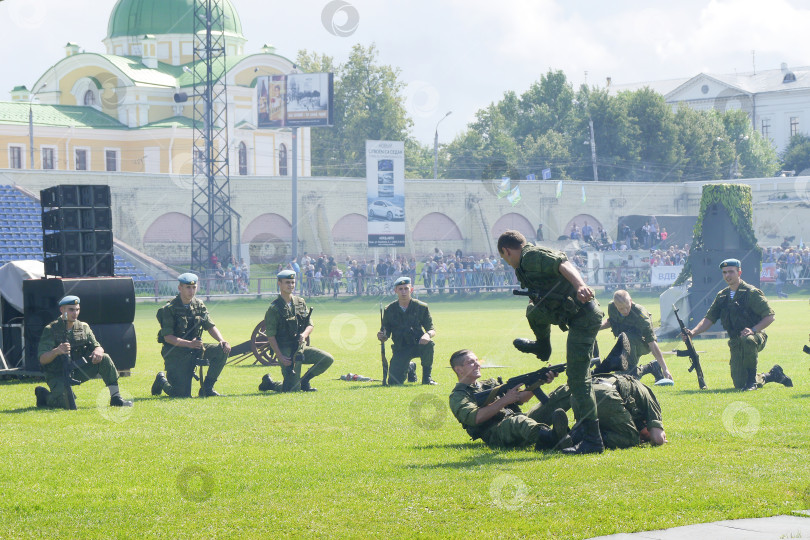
368	105
701	133
757	157
796	157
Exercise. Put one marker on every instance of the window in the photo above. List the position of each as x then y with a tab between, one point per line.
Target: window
81	160
794	125
111	160
282	160
242	159
90	98
15	156
766	128
47	158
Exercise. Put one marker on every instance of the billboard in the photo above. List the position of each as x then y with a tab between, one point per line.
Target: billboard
385	193
295	100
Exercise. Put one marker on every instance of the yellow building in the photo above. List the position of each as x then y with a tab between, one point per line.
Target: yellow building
116	111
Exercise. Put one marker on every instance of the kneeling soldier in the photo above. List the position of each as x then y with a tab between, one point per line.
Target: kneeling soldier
69	337
288	326
182	322
408	322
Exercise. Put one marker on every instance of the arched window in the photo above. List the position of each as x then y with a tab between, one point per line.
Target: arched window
90	98
282	160
242	158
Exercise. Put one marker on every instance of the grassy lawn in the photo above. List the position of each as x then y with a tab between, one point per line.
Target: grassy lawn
360	460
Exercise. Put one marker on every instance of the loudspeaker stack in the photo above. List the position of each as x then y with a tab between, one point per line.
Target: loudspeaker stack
77	231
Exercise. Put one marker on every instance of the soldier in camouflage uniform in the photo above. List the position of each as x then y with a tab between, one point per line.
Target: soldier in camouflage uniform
629	413
182	322
626	316
69	336
744	313
559	297
500	424
288	327
409	324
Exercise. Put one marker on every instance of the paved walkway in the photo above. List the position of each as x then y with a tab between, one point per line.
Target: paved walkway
732	529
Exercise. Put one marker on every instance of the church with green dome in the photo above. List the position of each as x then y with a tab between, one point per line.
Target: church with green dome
116	111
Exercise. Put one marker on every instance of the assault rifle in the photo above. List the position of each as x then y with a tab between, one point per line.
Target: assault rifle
532	380
192	334
298	354
690	352
382	351
68	365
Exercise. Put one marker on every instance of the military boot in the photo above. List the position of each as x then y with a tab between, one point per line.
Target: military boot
616	360
653	368
266	384
305	386
160	381
426	378
591	442
42	394
412	372
777	375
541	349
208	391
806	349
750	380
118	401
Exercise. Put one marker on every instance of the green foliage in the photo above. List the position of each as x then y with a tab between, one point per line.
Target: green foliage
368	105
358	460
796	156
638	138
736	199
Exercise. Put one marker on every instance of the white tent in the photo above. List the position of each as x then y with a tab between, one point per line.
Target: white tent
12	275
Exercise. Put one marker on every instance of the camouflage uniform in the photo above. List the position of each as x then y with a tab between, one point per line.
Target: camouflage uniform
406	328
745	310
626	406
638	328
509	428
187	321
82	343
285	323
539	270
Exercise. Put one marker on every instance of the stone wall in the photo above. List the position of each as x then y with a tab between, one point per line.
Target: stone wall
781	207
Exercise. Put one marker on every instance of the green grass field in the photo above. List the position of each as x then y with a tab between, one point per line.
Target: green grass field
361	460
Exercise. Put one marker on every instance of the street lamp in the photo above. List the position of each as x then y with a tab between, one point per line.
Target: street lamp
31	123
734	169
436	147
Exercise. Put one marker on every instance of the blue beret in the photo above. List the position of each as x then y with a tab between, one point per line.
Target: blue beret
730	262
69	301
188	278
286	274
402	281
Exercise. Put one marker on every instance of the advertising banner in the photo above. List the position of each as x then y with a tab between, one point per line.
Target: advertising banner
768	273
385	193
664	276
298	99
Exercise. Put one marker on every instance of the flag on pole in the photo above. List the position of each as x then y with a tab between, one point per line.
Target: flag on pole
514	196
559	189
546	174
505	187
583	195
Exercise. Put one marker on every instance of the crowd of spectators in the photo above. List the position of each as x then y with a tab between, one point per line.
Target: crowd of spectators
233	278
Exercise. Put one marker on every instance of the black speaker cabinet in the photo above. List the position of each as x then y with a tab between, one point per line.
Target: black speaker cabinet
119	342
106	301
719	233
72	196
80	265
71	242
74	219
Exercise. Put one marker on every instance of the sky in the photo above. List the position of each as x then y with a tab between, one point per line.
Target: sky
462	55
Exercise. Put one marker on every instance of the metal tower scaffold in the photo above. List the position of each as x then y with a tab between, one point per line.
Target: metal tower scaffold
211	199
